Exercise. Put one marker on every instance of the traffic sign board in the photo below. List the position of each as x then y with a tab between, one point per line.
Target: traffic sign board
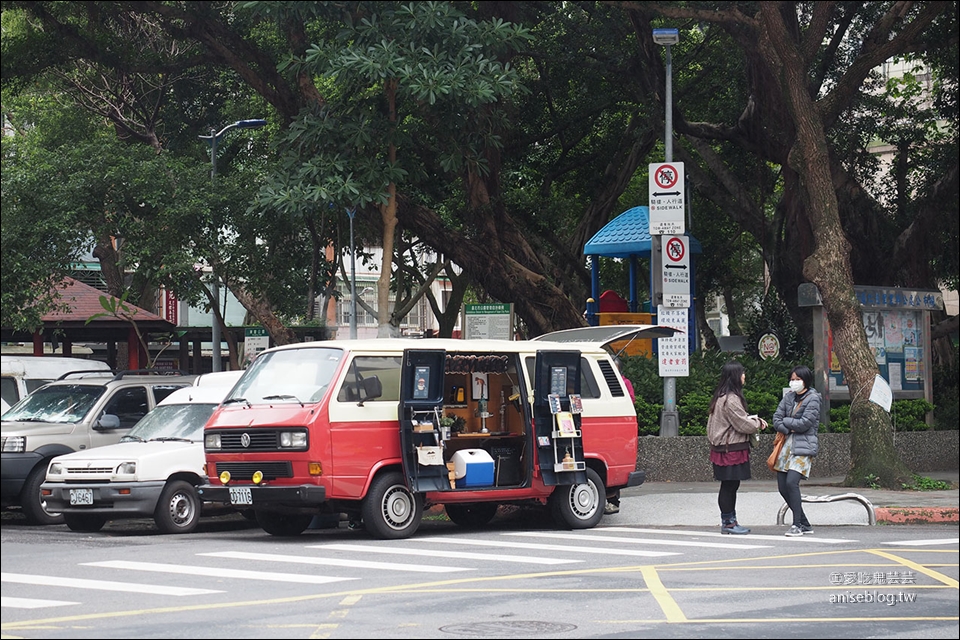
675	272
667	197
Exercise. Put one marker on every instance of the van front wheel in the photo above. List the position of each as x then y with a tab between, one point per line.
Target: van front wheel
579	506
390	510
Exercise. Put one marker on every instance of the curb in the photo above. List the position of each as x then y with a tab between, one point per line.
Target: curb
917	515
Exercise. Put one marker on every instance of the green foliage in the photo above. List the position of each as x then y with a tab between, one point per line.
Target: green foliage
910	415
648	416
774	317
693	409
923	483
839	418
946	393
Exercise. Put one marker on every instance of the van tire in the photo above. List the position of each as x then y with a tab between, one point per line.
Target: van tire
34	507
390	510
579	506
473	515
284	525
84	522
178	510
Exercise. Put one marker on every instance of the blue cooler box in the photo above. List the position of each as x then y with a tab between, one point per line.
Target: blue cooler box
473	468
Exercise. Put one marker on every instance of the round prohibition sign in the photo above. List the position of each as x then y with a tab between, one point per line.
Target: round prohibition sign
675	249
666	176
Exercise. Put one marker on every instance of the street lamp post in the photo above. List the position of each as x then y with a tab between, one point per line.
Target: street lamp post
214	138
669	417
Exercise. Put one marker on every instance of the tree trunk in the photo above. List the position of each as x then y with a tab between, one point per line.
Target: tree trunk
261	311
388	215
872	450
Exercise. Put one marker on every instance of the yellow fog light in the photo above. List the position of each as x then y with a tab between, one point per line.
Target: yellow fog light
257	477
224	477
315	469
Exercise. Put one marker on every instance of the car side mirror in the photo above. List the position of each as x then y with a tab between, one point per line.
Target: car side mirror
108	421
370	388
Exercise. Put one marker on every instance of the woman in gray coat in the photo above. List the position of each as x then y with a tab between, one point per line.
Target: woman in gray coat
798	418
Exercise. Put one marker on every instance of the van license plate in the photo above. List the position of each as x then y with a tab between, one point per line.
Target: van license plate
240	495
81	496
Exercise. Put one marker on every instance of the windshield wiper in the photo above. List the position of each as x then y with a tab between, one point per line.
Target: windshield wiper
232	400
171	439
284	397
135	438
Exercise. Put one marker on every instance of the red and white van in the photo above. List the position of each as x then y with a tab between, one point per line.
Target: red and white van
380	429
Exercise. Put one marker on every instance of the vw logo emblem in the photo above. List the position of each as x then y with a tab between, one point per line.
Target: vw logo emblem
245	440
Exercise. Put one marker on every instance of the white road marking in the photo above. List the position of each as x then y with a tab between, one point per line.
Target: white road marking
606	551
102	585
33	603
923	543
717	534
215	572
434	553
332	562
590	537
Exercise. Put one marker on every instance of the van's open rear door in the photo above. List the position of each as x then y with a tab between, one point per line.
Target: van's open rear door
421	401
557	373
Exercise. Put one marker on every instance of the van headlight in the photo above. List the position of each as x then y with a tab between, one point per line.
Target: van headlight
293	440
211	441
14	444
55	469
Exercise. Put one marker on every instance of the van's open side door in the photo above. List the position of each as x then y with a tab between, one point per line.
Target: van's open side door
557	372
421	403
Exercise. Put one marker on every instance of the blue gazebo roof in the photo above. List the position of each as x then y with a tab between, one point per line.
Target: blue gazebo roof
627	235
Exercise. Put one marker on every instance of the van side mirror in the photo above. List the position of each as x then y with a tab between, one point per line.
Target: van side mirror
108	421
370	388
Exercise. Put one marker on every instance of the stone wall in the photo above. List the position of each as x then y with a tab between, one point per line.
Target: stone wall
687	458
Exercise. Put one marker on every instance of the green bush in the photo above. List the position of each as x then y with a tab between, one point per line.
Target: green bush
648	417
839	418
910	415
693	409
946	394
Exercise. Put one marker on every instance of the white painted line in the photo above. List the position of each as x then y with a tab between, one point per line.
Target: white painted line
32	603
727	536
591	537
435	553
215	572
510	544
923	543
332	562
102	585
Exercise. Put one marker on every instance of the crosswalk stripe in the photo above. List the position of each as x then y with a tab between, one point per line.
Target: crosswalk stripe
716	534
33	603
606	551
215	572
333	562
923	543
592	537
436	553
103	585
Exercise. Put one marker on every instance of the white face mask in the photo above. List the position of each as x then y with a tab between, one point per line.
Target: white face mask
796	386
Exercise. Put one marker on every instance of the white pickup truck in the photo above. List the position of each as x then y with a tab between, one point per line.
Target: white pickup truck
152	471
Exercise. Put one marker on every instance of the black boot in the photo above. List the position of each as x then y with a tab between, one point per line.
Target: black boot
730	524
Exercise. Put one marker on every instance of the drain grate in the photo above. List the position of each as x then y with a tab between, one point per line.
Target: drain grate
508	627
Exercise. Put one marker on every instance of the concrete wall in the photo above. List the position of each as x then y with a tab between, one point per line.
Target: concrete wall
687	458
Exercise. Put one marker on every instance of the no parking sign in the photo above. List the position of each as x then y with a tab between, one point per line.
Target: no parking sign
675	273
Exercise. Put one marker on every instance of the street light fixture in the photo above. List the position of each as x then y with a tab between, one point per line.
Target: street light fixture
213	139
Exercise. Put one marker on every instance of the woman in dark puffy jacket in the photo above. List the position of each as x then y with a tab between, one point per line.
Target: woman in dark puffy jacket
798	418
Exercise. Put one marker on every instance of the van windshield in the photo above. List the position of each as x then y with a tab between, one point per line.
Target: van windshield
60	404
290	375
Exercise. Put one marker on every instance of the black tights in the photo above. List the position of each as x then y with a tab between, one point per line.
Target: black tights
727	499
789	486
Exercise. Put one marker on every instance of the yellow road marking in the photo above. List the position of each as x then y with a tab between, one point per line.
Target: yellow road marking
936	575
667	604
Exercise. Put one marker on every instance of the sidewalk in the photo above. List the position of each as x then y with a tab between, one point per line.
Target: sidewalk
758	503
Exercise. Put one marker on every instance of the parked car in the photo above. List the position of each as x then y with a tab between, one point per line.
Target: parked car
152	472
20	375
77	412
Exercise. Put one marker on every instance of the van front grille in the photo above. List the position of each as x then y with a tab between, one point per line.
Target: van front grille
245	470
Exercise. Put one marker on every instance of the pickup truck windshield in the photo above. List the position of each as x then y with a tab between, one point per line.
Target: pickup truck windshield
60	404
289	375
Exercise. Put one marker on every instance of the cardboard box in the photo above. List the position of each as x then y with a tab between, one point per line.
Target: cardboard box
473	468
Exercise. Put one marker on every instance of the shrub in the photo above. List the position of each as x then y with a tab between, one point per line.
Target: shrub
839	419
910	415
648	417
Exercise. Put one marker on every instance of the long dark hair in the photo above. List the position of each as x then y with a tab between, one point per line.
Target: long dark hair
731	381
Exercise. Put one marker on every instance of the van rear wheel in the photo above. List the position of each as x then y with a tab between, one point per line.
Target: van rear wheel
390	510
579	506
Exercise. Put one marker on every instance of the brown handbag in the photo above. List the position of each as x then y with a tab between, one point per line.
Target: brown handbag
778	441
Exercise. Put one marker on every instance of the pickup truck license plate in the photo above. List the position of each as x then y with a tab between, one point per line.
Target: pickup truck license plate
240	495
81	496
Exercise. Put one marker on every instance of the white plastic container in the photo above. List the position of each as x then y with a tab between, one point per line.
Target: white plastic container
473	468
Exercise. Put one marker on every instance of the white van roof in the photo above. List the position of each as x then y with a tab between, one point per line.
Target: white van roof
218	379
213	394
51	367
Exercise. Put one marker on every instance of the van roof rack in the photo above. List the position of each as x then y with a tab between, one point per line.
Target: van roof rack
83	372
149	372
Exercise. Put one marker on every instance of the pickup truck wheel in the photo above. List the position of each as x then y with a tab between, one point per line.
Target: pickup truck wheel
390	511
471	516
178	510
283	524
33	505
579	506
84	522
